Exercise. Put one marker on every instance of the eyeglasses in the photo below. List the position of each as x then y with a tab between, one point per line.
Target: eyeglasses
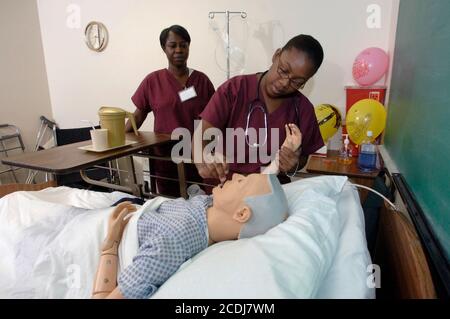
284	74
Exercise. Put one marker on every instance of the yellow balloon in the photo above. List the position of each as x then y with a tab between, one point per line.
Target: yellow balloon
329	120
365	115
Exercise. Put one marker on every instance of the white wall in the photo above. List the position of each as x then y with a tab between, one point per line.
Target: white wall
80	81
24	94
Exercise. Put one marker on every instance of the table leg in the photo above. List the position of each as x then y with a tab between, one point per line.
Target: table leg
134	187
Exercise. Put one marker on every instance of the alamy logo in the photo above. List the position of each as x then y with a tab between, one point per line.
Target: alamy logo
238	145
374	19
73	279
73	20
374	279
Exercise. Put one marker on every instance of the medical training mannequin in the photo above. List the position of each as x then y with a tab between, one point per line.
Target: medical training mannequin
242	207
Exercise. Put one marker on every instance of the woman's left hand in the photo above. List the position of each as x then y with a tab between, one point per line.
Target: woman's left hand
288	159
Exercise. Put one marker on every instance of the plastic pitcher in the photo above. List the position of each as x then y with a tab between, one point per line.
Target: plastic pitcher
113	119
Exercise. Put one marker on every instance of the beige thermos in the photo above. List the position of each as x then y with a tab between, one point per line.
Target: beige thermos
113	119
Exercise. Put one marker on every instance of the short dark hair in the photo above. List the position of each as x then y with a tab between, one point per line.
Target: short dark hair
178	30
309	45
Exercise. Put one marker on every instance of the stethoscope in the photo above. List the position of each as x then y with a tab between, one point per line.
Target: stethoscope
258	104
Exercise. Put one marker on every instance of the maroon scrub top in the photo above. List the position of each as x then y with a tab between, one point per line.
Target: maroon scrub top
158	92
230	106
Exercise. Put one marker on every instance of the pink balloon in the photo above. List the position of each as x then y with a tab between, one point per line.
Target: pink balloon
370	66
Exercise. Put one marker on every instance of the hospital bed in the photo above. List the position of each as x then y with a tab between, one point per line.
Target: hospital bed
50	242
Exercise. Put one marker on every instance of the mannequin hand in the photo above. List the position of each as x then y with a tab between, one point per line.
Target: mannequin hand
288	159
213	167
293	137
116	223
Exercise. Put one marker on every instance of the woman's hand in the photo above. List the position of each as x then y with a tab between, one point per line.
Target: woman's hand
117	222
214	166
288	159
139	117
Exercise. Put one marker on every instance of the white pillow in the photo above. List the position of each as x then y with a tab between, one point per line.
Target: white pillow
289	261
329	185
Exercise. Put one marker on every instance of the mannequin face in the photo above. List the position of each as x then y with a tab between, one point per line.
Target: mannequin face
229	211
230	197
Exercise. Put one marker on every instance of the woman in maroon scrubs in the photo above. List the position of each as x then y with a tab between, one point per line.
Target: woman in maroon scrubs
160	92
266	101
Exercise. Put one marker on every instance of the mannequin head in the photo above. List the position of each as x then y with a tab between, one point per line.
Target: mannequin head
246	206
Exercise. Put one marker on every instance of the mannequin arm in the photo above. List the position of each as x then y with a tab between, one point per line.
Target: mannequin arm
274	166
105	283
293	141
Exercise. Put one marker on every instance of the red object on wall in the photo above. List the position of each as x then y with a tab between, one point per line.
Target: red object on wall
357	93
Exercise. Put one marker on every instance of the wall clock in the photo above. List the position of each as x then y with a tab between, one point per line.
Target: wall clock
96	36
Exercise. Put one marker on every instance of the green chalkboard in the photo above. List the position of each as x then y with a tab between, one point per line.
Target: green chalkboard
418	125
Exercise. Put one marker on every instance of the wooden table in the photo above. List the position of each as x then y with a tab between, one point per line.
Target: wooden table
330	166
68	158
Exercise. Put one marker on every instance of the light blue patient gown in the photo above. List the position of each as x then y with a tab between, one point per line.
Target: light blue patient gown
168	237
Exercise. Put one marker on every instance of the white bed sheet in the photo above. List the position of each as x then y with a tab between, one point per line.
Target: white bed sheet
345	279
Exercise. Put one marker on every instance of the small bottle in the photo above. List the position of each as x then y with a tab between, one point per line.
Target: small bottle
195	190
367	159
345	155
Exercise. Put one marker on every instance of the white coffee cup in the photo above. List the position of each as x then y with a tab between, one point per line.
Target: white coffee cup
99	139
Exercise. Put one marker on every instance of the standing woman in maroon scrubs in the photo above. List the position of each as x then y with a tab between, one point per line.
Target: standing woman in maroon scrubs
160	92
266	101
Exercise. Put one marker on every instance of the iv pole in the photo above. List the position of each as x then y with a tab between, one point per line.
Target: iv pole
211	15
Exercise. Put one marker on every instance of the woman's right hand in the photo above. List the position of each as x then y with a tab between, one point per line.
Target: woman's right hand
214	166
139	117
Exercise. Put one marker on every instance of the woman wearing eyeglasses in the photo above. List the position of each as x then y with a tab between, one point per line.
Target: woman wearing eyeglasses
263	102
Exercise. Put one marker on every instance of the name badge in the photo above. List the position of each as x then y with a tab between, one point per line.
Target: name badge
187	94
